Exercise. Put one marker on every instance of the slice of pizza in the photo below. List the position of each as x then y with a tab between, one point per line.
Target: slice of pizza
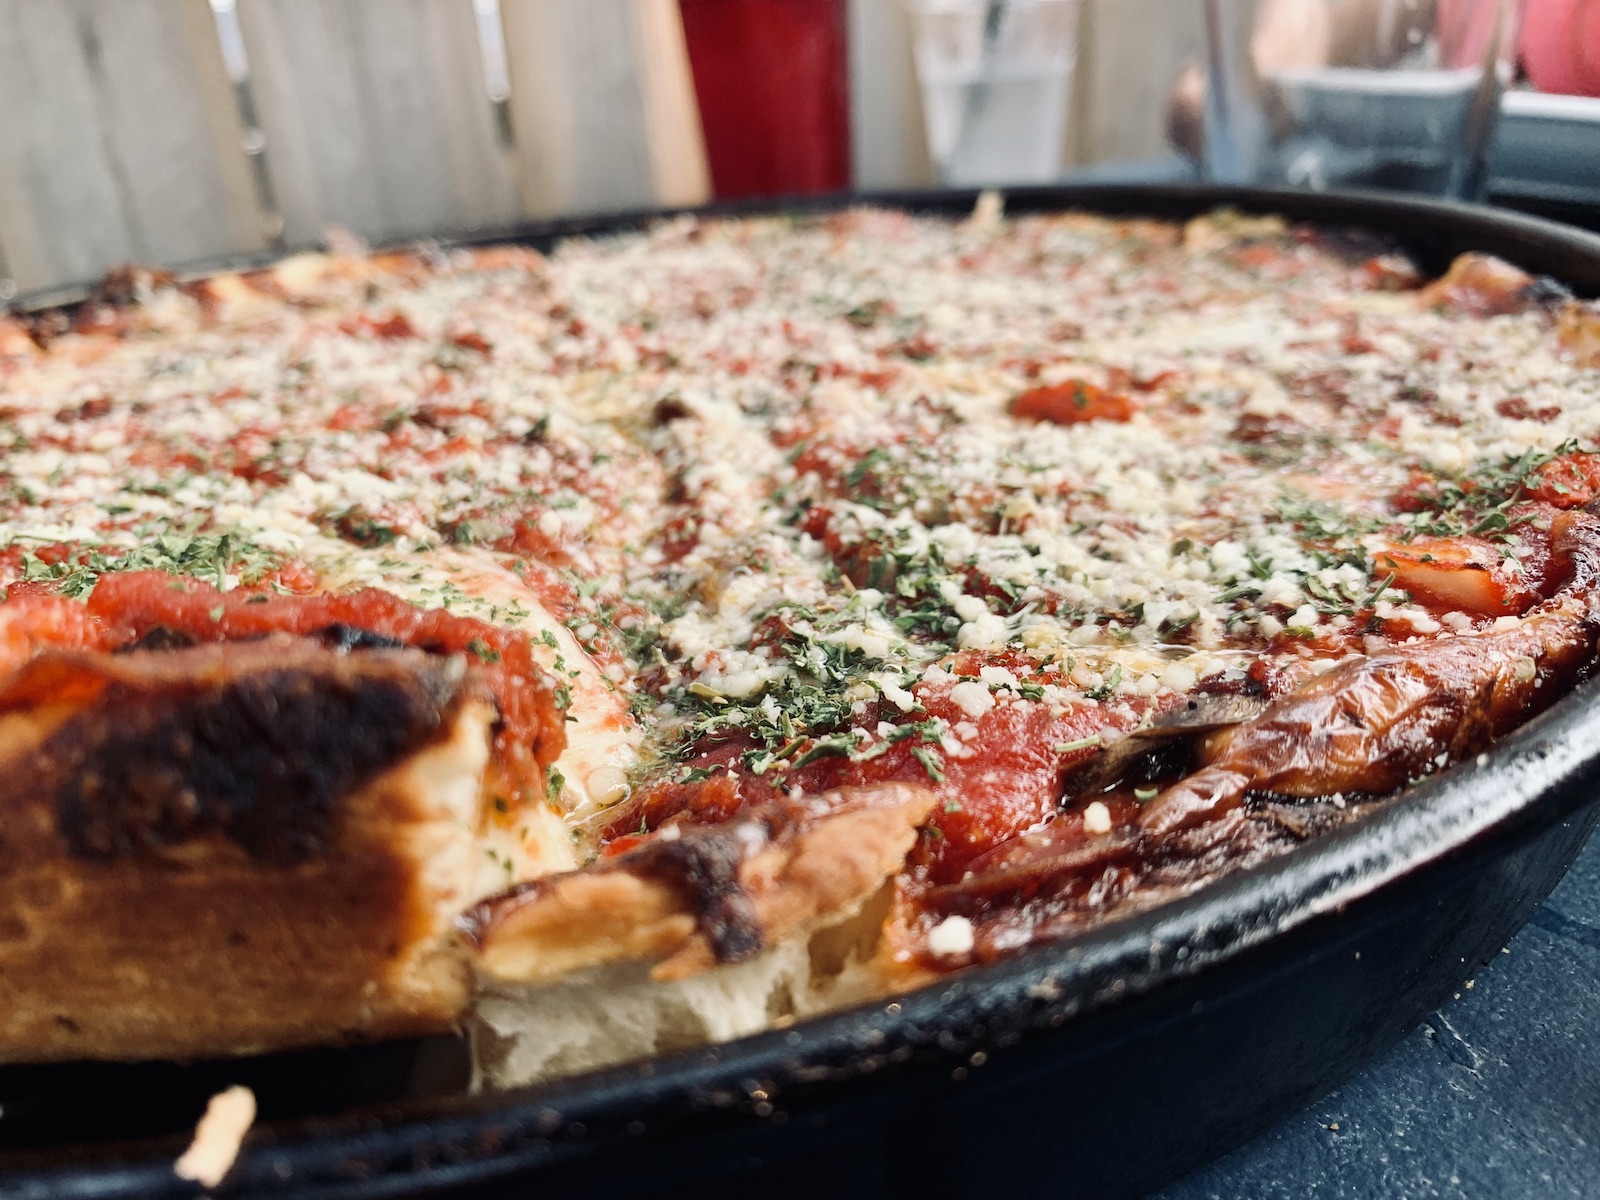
243	821
227	848
261	777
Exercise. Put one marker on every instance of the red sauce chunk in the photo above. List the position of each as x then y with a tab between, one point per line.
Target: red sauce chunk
1072	404
1568	481
33	617
1466	574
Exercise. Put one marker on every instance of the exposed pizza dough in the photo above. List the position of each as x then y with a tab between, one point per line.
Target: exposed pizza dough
767	876
607	965
217	1138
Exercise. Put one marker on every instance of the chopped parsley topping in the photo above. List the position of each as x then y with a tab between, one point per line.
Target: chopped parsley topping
215	559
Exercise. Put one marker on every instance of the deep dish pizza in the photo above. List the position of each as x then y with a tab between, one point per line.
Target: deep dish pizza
695	629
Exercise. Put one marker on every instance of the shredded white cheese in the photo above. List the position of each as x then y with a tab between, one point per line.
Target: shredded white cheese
218	1137
951	936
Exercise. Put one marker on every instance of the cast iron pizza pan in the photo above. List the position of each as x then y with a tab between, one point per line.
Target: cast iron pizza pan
1102	1066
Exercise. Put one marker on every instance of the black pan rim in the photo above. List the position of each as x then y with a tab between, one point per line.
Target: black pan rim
1529	781
1534	242
1532	779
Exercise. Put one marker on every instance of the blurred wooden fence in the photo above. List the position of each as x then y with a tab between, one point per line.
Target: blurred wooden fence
124	138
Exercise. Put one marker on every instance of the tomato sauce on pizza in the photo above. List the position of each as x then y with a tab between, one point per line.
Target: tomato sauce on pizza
1141	551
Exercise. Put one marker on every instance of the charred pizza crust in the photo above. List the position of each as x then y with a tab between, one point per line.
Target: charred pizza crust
220	850
705	895
702	935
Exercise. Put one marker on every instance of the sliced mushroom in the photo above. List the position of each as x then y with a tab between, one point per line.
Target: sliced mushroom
1163	747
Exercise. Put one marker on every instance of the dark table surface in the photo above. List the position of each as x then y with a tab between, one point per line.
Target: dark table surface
1496	1096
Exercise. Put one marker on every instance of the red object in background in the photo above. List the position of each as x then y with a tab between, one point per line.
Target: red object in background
1561	46
1464	29
772	79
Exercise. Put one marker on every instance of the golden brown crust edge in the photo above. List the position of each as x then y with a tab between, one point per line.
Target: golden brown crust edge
714	933
202	950
784	873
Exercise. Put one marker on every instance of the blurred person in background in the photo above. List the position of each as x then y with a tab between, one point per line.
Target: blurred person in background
1558	48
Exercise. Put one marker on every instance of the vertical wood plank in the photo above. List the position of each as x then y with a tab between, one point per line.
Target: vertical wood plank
1130	53
602	105
678	163
376	117
119	140
1075	137
576	106
888	142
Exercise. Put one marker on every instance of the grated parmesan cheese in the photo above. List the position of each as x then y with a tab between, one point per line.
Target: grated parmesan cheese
217	1138
951	936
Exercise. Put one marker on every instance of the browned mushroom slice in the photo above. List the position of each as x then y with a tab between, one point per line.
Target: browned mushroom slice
1161	748
1371	725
